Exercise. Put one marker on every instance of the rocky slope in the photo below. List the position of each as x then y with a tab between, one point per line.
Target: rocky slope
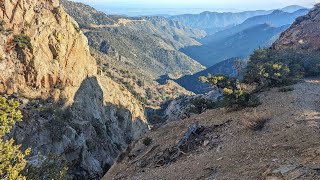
68	109
154	42
276	140
154	54
87	15
136	52
303	34
227	148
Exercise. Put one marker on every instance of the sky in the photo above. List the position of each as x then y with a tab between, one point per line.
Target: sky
177	6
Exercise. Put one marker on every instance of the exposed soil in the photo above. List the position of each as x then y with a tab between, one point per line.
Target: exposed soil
120	22
287	147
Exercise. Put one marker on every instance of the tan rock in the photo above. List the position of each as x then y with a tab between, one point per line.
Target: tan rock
59	67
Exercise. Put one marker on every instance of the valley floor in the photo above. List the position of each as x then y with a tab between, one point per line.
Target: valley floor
288	147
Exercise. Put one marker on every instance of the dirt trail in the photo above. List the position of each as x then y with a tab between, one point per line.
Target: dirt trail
120	22
288	147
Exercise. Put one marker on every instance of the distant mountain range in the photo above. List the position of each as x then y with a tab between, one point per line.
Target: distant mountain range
242	39
238	45
277	18
219	50
213	22
165	48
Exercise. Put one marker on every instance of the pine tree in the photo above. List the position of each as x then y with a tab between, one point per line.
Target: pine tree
12	159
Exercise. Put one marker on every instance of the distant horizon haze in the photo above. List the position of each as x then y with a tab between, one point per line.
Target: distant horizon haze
169	7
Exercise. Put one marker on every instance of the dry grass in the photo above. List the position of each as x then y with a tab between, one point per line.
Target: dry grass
256	120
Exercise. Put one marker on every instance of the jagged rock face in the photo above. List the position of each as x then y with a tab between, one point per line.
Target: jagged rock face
100	117
303	34
59	54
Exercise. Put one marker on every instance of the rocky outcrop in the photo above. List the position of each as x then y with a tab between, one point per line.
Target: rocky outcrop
304	33
68	109
59	54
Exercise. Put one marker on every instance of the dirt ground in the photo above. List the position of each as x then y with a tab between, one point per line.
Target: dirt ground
288	146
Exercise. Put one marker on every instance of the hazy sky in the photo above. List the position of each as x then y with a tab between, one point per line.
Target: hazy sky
254	4
148	7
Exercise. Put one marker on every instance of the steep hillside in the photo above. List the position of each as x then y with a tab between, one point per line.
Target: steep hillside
68	109
240	44
85	14
276	140
153	43
226	148
150	47
145	89
303	34
135	52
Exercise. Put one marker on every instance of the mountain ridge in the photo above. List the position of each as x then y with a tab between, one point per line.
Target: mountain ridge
302	34
276	18
209	21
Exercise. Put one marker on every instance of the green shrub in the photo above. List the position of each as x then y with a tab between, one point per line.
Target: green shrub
286	89
254	101
12	160
51	167
233	94
201	104
22	41
270	68
268	74
147	141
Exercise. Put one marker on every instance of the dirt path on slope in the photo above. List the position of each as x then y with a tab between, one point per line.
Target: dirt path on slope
121	22
288	147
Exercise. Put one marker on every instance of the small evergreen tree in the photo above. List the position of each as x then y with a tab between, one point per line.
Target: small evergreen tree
12	160
233	94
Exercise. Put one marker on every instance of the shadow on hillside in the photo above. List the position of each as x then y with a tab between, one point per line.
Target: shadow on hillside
90	134
162	80
192	82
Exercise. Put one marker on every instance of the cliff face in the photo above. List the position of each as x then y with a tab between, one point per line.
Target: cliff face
303	34
45	62
59	54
